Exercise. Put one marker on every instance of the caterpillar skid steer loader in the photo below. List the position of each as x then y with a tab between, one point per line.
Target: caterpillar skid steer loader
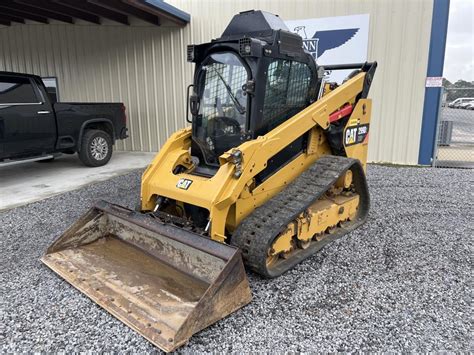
271	169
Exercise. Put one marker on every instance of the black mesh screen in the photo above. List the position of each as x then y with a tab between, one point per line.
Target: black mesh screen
216	97
286	91
221	121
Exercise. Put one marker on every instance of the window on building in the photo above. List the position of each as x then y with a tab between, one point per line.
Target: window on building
16	90
286	91
51	84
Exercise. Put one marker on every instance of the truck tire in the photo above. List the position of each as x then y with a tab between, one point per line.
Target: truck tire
96	148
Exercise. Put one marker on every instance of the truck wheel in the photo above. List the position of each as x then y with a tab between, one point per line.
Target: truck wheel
96	148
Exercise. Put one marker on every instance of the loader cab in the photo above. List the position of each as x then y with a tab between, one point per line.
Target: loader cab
221	121
246	83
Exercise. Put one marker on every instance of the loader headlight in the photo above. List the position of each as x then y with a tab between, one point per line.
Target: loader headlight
236	159
245	46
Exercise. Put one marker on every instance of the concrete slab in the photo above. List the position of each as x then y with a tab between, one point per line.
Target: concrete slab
28	182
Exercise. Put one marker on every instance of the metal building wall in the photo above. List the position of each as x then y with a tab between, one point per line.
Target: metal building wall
146	67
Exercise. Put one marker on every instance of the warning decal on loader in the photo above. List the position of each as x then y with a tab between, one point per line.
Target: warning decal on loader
355	134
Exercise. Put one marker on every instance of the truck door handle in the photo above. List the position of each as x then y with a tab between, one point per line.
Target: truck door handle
43	112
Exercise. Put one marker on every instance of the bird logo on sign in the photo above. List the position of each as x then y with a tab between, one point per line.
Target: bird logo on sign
324	40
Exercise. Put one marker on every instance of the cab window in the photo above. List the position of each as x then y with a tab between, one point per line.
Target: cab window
286	91
16	90
222	118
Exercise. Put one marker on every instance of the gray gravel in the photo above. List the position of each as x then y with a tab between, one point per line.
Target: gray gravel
402	282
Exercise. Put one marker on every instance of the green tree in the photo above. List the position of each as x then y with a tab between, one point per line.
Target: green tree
459	89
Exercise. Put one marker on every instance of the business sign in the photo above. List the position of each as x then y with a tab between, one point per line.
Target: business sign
434	82
334	40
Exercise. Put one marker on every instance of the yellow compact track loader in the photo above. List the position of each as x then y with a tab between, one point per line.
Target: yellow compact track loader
271	169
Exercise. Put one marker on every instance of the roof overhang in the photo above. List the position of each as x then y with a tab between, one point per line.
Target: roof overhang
125	12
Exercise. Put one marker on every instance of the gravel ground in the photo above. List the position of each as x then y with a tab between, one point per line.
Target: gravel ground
401	282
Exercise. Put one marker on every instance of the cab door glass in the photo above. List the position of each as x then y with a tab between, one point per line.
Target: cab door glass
16	91
221	123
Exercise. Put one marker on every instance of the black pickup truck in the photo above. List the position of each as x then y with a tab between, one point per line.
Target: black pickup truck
34	126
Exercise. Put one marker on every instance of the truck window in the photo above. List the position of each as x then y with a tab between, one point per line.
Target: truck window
16	90
51	84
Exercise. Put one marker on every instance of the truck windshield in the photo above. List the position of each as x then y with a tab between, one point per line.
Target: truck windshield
221	122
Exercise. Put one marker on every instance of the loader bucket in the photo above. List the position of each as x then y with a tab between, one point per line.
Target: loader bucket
164	282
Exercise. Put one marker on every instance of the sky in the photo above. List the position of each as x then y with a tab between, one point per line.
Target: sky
459	59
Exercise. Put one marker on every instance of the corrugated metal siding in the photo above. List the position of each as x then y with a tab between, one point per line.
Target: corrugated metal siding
146	67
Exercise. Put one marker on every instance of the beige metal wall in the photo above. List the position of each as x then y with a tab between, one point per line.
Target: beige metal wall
146	67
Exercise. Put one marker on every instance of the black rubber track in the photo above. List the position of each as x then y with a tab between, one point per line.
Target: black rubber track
256	233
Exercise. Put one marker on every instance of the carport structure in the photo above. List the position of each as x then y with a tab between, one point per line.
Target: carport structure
125	12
